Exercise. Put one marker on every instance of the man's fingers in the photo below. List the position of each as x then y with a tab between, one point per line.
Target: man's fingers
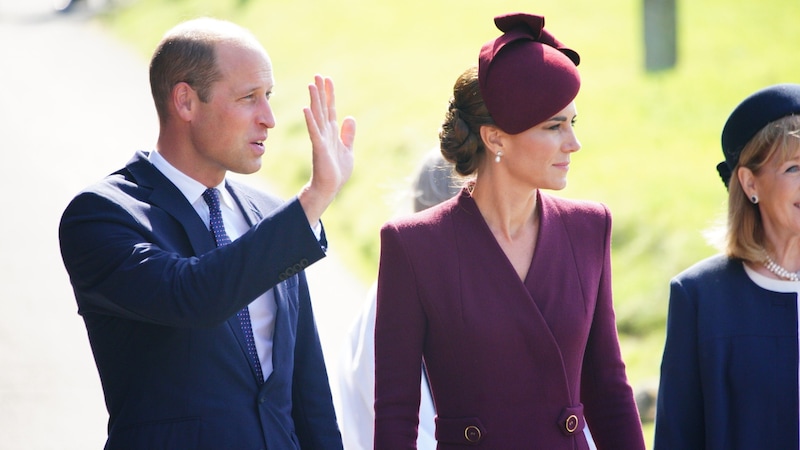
322	94
348	133
315	105
311	124
331	98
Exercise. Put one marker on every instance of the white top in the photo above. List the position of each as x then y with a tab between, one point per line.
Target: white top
357	387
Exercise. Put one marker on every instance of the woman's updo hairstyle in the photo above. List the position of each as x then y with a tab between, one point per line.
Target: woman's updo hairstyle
460	139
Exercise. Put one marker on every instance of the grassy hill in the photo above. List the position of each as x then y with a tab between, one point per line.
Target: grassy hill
650	140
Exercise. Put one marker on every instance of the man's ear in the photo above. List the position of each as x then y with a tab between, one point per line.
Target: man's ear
184	100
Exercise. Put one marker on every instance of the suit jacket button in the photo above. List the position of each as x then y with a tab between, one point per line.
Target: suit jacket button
472	434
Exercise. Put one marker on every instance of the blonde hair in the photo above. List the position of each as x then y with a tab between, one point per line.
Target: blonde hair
744	237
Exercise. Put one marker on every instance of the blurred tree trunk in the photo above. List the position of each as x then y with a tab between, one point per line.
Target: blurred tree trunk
660	36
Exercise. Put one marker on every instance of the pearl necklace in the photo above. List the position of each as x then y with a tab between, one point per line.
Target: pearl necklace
778	270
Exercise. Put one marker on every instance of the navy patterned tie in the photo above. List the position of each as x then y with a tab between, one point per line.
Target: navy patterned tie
211	196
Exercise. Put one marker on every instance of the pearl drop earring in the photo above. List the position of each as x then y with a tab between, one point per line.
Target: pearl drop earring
497	156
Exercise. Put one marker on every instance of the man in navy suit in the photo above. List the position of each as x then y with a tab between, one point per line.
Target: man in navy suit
203	342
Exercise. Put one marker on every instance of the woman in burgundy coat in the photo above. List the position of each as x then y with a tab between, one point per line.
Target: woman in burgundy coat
505	291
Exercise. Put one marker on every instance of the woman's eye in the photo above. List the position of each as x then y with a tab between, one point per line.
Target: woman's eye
793	169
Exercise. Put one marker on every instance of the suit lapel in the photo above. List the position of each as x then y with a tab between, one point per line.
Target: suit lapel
253	214
169	198
283	335
246	205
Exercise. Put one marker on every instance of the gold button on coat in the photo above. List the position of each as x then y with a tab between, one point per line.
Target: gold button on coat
472	433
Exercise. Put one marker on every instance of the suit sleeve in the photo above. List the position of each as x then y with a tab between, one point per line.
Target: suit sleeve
129	259
399	335
608	398
679	413
312	405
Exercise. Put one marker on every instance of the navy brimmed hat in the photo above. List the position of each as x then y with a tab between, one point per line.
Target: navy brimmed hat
526	75
750	116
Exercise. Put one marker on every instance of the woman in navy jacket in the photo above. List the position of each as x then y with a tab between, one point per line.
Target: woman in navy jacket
505	291
729	375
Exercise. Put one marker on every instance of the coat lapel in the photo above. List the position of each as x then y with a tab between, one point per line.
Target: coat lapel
522	305
553	275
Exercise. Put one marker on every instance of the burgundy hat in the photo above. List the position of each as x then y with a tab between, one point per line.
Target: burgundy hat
526	75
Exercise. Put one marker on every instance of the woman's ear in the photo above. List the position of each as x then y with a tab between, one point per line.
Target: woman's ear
748	181
492	139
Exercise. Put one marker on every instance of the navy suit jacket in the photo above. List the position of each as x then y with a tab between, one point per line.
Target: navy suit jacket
512	364
159	303
729	371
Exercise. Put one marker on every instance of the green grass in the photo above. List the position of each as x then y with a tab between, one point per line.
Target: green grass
650	141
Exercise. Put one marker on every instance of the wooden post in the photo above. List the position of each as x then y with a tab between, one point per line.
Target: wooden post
660	35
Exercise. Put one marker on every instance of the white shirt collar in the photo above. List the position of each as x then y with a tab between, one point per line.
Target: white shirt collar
189	187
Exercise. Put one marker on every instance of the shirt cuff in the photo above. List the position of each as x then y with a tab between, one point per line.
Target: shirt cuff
317	229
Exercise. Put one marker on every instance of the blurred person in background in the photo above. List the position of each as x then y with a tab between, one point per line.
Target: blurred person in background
729	373
504	291
432	185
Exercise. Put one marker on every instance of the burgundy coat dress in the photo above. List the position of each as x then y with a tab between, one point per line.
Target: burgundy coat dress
512	365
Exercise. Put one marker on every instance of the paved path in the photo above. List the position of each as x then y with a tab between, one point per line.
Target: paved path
74	105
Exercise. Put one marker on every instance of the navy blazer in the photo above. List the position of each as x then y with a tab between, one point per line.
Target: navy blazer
729	371
159	303
512	364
